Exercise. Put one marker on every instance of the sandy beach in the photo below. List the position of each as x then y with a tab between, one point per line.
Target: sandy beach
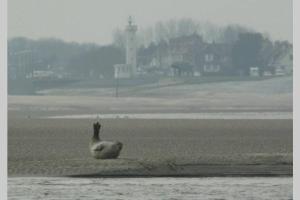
233	128
271	95
169	147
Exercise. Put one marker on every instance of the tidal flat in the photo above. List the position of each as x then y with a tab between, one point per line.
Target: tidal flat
164	147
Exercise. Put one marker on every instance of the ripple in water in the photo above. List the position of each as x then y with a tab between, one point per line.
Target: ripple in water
149	188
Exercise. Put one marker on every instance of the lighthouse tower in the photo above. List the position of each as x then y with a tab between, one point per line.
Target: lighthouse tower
128	70
131	47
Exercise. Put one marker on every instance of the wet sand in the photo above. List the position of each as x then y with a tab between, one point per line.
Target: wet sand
168	147
233	188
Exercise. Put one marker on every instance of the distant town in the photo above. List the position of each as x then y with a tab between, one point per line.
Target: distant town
178	49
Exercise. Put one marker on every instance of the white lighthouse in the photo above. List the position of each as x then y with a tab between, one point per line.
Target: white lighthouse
129	69
131	46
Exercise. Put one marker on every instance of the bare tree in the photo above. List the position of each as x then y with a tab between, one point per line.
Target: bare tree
119	38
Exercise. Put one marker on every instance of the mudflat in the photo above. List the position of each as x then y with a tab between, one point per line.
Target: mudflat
151	147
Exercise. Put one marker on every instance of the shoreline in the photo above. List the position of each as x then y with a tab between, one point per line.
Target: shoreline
203	170
183	116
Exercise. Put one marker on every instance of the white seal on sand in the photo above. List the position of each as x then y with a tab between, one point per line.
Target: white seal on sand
104	149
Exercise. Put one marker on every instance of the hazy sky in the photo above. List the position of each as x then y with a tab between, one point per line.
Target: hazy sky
94	20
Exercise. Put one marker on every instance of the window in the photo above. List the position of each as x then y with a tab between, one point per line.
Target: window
211	68
209	57
217	68
208	68
206	57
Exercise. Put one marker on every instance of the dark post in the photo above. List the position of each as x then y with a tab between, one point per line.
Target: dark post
117	84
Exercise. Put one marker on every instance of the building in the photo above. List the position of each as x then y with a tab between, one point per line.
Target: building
122	71
20	64
129	69
186	51
284	65
186	56
216	59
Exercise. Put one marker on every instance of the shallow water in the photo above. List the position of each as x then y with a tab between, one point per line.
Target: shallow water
210	115
273	188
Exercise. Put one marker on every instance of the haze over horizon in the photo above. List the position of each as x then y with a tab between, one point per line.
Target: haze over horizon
93	21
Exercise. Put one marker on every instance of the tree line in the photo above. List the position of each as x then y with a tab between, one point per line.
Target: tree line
163	31
80	60
249	48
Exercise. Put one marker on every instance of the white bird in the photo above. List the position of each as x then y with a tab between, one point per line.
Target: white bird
104	149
